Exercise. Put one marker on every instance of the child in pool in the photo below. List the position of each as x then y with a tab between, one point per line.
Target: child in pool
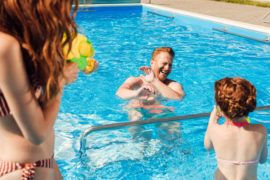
239	146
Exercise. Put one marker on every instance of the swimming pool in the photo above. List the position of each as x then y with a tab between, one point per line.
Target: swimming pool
124	38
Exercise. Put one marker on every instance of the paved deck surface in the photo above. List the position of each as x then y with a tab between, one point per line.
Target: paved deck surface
244	13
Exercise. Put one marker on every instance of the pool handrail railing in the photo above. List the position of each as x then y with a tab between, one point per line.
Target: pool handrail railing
265	16
142	122
266	40
153	12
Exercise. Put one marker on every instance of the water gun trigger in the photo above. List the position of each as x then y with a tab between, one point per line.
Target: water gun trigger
91	64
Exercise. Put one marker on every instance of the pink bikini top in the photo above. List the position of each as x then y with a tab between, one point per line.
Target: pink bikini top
4	109
239	162
233	161
236	124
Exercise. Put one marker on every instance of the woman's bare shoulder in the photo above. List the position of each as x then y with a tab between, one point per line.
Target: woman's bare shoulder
259	128
8	43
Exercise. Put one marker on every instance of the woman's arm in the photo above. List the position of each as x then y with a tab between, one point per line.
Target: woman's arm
207	141
264	153
213	121
34	122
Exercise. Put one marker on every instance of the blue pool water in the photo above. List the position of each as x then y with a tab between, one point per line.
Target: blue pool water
124	38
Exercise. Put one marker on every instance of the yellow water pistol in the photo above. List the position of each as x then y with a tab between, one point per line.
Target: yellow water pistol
81	52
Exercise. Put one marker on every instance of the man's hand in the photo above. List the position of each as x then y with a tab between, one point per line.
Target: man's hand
145	92
150	76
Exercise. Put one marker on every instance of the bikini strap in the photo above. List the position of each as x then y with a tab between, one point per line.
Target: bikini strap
237	124
238	162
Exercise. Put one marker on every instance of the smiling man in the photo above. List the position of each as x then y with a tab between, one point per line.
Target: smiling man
155	83
143	92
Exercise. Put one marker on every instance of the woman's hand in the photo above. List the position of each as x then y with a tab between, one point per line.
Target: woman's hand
215	115
96	64
70	72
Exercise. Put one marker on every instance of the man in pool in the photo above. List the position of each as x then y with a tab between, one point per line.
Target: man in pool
143	91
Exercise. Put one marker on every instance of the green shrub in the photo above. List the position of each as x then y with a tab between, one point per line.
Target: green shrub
248	2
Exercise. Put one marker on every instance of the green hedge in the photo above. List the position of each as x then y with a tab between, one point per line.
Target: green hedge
249	2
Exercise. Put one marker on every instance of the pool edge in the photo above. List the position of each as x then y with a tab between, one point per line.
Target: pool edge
222	21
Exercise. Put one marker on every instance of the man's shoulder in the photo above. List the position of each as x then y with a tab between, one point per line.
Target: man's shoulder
174	85
133	80
170	82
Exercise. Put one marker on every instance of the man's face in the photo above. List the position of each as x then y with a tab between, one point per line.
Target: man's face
162	65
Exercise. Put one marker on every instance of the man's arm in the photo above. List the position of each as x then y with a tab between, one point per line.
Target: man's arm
169	89
126	91
173	90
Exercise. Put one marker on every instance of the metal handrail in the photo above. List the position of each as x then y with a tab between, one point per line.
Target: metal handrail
140	122
265	16
266	40
153	12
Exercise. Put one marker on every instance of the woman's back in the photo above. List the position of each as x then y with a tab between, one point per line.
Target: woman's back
239	146
238	149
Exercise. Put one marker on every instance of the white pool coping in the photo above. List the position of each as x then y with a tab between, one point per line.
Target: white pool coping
223	21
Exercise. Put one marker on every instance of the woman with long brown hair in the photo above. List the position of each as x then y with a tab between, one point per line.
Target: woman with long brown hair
33	73
239	145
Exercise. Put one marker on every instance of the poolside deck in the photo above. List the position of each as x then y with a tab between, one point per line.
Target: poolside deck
237	12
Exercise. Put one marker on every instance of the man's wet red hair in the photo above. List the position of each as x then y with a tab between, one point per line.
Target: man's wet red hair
157	51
